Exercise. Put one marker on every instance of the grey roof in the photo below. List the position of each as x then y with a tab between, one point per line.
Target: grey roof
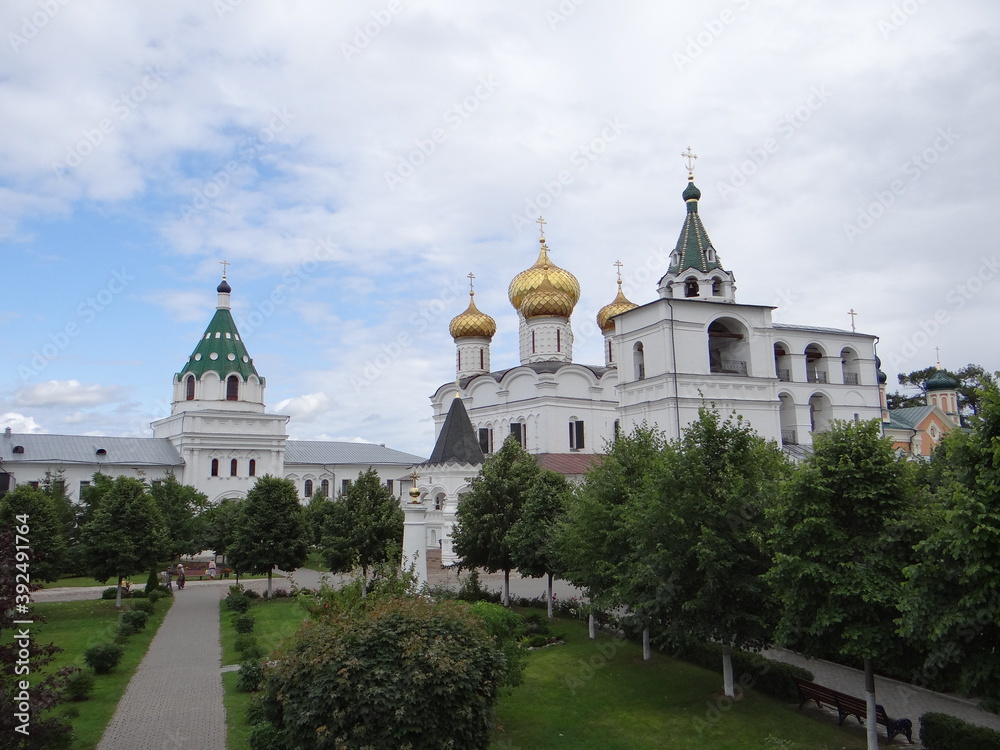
82	449
540	368
819	329
908	418
457	442
331	452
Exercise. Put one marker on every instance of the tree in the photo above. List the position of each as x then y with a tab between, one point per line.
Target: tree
363	527
706	532
951	601
92	496
532	537
25	729
491	508
316	511
180	505
841	538
269	531
48	548
972	380
217	526
126	534
597	540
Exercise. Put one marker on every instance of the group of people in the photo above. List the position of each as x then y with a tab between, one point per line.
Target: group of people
182	577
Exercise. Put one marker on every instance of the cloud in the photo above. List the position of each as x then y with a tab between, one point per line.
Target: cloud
305	409
19	423
67	393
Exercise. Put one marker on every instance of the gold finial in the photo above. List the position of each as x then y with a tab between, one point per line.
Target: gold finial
618	264
937	351
689	158
225	264
853	316
472	290
541	227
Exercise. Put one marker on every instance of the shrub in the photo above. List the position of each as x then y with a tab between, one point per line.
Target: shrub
125	631
943	732
372	676
536	641
278	594
103	657
237	603
251	594
135	617
138	594
78	685
248	647
111	592
243	623
152	581
535	624
144	606
250	675
472	590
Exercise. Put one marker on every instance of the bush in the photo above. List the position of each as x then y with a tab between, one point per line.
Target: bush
78	685
138	594
135	617
535	624
472	590
767	676
372	676
248	647
250	675
278	594
125	631
144	606
237	603
943	732
243	623
251	594
536	641
111	592
103	657
161	593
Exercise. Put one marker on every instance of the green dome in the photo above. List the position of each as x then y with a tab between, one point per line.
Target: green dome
941	381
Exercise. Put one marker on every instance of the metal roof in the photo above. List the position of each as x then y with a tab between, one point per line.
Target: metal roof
83	449
909	417
330	452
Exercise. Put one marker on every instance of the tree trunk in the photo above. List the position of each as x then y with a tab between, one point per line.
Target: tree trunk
647	653
550	596
871	726
506	588
118	593
269	583
592	624
727	671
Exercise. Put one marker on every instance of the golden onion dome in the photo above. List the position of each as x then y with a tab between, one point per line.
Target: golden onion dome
472	322
619	305
532	278
547	299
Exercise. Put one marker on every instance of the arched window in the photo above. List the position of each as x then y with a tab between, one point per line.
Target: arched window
815	366
482	359
532	342
308	488
324	487
189	387
691	287
728	350
639	359
232	388
611	352
252	468
558	340
215	467
716	287
233	467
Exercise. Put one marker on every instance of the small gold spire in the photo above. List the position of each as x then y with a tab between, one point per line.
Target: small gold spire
225	264
689	159
618	264
853	315
937	350
541	227
472	289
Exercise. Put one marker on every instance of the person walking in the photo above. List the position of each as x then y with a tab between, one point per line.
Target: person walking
211	570
180	576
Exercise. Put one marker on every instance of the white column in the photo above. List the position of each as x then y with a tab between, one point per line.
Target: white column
415	539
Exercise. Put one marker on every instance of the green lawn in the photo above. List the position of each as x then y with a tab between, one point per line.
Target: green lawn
75	627
599	695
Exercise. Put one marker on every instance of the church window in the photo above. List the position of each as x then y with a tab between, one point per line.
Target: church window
611	352
576	436
486	440
639	360
215	467
234	467
716	287
815	369
558	340
437	502
252	471
344	484
728	351
389	486
232	388
308	489
532	342
618	428
691	287
33	485
189	385
517	430
459	361
324	487
482	359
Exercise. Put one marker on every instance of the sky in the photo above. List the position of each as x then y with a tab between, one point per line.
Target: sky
354	162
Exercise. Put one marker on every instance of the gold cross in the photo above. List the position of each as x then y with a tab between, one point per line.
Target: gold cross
853	316
689	158
618	263
471	289
937	350
541	225
224	264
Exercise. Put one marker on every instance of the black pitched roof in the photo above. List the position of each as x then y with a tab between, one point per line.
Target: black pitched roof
457	442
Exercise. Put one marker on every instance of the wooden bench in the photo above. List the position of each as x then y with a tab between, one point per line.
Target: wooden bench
847	705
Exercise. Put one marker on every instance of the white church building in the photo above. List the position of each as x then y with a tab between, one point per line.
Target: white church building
218	438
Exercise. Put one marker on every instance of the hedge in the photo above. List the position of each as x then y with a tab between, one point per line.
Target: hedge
944	732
